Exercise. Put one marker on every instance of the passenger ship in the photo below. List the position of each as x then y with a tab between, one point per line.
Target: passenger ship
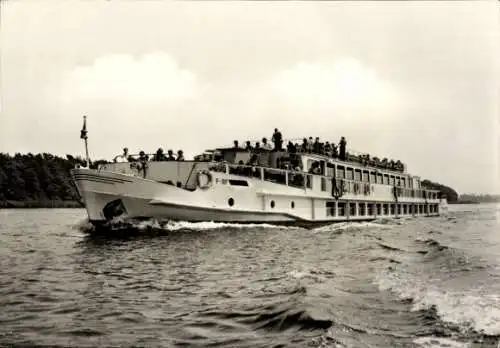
217	187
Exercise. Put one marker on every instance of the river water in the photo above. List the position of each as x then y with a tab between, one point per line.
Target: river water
416	282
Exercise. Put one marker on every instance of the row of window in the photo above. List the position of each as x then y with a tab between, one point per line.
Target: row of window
380	209
376	178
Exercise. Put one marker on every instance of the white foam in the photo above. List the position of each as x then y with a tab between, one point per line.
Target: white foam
340	226
435	342
202	226
474	309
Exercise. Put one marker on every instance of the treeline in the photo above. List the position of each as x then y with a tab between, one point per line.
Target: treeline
472	198
41	180
451	194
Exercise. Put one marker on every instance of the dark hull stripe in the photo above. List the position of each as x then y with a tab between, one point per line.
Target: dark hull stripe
84	176
98	181
97	177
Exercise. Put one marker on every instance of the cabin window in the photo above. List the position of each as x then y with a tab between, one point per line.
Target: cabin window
350	174
393	209
436	208
341	209
330	208
379	209
230	201
366	176
399	209
398	181
391	180
386	209
272	204
370	209
357	175
373	177
341	172
403	182
386	179
238	182
362	209
292	204
352	209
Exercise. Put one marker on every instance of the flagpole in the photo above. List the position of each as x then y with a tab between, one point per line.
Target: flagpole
84	136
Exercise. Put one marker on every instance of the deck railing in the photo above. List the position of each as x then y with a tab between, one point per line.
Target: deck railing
304	180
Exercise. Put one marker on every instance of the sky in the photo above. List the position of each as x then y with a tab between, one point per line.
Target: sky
416	81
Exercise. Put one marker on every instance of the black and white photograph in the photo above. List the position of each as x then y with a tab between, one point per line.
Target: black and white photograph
249	174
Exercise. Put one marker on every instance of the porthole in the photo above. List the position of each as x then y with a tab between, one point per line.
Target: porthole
292	204
272	204
230	201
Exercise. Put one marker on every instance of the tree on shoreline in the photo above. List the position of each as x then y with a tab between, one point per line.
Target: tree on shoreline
41	177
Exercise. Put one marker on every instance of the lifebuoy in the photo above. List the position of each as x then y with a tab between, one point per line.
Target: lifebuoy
208	183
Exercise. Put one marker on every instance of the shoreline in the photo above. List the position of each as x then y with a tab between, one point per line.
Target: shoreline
39	204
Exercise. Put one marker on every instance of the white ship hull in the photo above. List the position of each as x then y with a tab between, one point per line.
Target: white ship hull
119	192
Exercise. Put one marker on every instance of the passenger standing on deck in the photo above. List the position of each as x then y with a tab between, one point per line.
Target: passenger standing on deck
122	158
266	145
180	155
342	146
170	156
143	163
277	140
310	145
249	146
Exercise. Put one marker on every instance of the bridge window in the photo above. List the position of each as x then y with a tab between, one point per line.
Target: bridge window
340	172
380	179
309	181
366	176
323	183
350	174
373	177
357	175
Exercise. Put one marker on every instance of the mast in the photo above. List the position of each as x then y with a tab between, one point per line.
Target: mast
83	135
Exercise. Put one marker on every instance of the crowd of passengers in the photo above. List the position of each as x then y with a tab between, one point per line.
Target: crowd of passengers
328	149
159	156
